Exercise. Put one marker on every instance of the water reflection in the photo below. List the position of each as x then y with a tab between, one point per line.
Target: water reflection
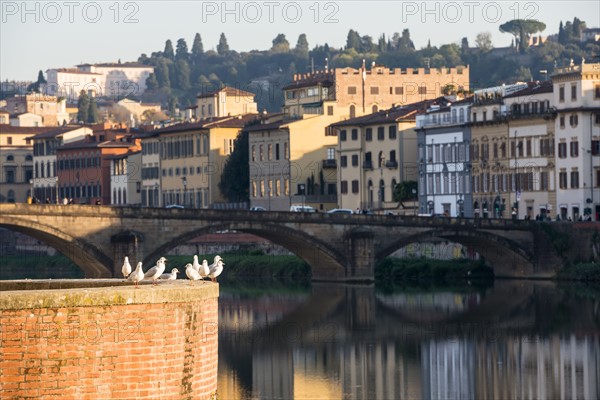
517	340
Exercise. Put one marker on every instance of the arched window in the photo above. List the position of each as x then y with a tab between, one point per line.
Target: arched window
381	190
124	196
454	116
10	157
114	196
461	115
374	109
352	111
393	187
28	157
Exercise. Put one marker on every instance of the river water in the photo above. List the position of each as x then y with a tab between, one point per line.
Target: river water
515	340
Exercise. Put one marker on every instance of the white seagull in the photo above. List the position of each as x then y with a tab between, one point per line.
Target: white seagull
137	275
214	264
171	276
191	273
196	264
126	268
204	269
216	271
155	272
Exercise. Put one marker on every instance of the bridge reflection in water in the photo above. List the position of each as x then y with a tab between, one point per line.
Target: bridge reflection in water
516	340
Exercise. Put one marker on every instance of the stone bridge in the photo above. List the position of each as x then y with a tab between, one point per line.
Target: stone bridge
338	247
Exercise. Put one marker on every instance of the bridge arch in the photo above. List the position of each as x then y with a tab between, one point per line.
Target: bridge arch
507	257
93	262
324	260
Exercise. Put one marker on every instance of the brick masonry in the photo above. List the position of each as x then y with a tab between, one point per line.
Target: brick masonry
110	342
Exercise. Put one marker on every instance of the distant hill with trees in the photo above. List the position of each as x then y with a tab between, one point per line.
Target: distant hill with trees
181	73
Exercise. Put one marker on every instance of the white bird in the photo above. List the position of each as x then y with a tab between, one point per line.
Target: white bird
126	268
214	264
155	272
191	273
216	271
137	275
171	276
204	269
196	264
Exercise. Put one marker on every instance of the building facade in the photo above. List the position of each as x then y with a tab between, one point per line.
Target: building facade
51	109
444	160
16	161
376	152
224	102
576	97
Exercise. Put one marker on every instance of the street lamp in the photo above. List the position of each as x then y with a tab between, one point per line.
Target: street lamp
414	193
302	192
184	181
31	196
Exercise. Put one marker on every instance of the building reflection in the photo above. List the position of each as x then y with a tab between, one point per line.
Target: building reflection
378	358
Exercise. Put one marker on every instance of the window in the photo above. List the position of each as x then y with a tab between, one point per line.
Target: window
380	133
352	111
574	149
574	179
392	155
399	90
355	186
210	109
277	151
422	89
595	147
573	91
562	122
253	152
597	91
528	147
562	180
331	153
374	90
474	117
354	134
562	150
392	132
495	150
561	93
485	115
374	109
9	140
343	161
329	110
343	135
355	160
286	151
369	134
260	152
351	89
544	183
344	187
573	120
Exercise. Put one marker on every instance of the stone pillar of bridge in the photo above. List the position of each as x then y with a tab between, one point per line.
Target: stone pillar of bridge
360	264
126	243
360	307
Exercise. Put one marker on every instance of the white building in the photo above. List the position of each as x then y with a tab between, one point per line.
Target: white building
577	100
114	80
126	179
45	180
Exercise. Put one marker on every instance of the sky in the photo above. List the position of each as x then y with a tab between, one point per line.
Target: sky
38	35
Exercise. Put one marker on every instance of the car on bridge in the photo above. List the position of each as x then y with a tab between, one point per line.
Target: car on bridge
174	206
258	208
340	211
308	209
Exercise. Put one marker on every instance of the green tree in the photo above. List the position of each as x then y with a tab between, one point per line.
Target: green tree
168	52
93	115
162	73
483	40
222	47
151	82
280	44
562	35
404	191
353	40
197	50
181	53
236	172
405	43
35	86
83	107
182	74
522	29
301	48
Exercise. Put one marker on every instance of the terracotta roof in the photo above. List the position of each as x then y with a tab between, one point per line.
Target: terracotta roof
229	91
532	89
220	122
391	115
266	127
54	132
86	144
29	130
75	71
118	65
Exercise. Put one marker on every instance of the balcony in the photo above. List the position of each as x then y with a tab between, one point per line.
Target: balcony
367	164
392	164
330	163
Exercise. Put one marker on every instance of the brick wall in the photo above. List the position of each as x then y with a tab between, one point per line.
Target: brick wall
159	346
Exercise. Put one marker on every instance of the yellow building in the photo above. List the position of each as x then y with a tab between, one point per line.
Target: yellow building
512	153
292	162
182	164
375	152
349	92
225	102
